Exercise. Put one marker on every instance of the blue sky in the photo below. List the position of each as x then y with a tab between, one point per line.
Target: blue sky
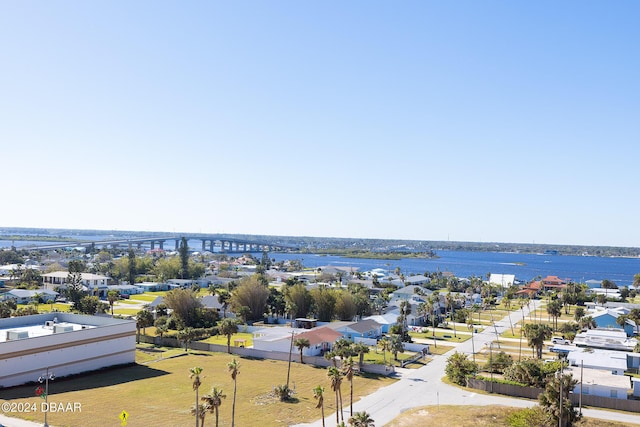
469	120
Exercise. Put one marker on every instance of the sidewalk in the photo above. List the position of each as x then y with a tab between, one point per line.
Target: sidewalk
17	422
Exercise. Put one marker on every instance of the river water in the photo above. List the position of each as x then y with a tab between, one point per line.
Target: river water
465	264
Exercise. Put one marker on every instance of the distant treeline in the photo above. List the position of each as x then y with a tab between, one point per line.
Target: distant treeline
389	255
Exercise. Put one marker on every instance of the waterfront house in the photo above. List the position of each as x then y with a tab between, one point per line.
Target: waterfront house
416	280
503	281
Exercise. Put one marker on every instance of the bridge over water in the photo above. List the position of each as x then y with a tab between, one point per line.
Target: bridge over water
209	242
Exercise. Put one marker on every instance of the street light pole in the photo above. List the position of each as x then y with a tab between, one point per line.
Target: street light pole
491	363
45	378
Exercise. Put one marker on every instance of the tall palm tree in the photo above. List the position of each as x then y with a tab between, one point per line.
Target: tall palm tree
336	382
361	419
318	394
347	370
194	374
301	343
234	368
213	401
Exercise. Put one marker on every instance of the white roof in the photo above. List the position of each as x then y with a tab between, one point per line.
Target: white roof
504	280
84	276
605	359
599	377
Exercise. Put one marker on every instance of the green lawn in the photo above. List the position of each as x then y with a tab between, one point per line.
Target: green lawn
222	339
126	311
442	335
147	296
159	392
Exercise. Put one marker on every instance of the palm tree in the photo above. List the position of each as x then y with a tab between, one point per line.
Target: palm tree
318	394
228	327
384	345
213	401
200	412
587	322
396	346
536	334
234	369
556	400
223	298
336	382
301	343
554	308
361	419
347	370
112	297
360	349
634	315
194	374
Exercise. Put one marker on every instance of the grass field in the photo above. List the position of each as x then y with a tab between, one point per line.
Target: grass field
468	416
159	392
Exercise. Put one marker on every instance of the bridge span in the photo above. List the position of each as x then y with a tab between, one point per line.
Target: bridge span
209	243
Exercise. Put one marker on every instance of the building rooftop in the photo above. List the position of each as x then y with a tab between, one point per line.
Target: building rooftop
49	327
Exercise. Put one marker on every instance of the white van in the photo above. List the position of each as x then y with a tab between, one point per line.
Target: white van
560	340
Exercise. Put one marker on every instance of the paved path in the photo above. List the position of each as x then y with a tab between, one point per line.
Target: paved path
17	422
423	387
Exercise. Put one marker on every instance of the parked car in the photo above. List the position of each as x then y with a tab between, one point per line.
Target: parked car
560	340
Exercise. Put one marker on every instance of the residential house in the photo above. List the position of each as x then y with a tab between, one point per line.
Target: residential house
615	362
416	280
608	318
26	296
600	382
551	283
320	339
95	284
153	286
125	289
384	320
415	292
362	329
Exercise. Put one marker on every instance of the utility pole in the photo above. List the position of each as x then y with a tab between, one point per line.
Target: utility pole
289	367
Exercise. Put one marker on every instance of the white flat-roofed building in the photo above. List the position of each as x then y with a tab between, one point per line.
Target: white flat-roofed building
598	382
609	360
64	343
